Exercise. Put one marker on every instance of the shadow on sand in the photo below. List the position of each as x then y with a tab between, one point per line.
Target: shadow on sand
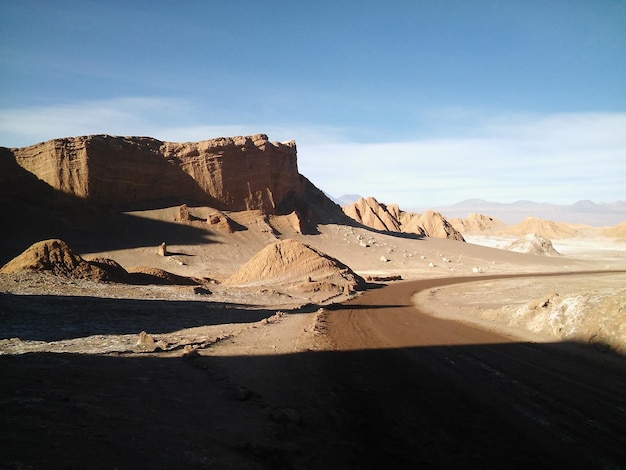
55	318
516	405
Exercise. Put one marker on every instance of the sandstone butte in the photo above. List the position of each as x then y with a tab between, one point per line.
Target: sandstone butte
238	173
389	218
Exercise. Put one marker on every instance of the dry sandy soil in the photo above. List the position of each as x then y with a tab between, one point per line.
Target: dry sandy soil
272	377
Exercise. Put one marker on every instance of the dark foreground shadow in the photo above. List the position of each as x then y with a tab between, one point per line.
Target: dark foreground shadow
55	318
516	405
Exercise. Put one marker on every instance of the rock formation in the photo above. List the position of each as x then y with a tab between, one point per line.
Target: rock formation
239	173
533	244
54	257
221	222
390	218
162	249
291	262
545	228
477	223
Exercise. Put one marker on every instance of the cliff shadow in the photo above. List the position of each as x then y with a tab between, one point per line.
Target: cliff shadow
35	211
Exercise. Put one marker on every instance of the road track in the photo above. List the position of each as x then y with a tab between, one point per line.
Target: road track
420	390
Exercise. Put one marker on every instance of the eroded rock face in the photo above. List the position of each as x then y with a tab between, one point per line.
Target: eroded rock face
389	217
239	173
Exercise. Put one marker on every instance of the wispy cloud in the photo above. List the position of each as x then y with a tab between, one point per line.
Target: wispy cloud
167	119
556	158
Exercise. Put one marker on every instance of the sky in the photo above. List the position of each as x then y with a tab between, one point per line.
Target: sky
420	103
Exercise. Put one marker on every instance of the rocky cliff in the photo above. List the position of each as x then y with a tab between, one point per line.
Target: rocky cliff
389	218
238	173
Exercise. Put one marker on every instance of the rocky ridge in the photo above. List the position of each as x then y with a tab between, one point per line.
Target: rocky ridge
389	218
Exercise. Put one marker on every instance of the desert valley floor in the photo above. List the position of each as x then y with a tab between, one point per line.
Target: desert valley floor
477	358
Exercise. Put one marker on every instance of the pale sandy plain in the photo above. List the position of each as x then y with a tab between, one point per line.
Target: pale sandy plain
252	361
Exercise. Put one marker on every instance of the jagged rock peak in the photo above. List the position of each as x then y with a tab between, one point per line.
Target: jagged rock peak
389	217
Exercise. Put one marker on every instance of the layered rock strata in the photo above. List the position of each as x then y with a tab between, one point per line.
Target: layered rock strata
238	173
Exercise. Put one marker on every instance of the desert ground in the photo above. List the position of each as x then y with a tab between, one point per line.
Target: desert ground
457	355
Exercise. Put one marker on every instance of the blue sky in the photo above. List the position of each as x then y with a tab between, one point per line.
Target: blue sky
415	102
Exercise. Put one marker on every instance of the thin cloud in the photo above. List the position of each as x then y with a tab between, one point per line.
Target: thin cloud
549	157
559	158
166	119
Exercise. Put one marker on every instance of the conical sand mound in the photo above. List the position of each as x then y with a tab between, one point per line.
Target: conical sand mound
533	244
55	257
291	262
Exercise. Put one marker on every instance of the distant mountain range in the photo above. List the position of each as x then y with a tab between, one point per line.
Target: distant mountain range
582	212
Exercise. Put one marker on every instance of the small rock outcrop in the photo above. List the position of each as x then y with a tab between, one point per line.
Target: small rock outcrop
389	218
533	244
162	249
221	222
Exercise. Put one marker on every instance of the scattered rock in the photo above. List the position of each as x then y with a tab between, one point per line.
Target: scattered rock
183	213
199	290
145	340
220	221
395	277
162	249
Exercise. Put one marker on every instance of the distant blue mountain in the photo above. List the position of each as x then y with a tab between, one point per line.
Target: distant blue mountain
581	212
346	199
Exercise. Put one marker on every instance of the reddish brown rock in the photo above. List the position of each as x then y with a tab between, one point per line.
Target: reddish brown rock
238	173
55	257
292	262
390	218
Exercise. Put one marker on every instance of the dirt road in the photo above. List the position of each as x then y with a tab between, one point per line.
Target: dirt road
421	390
399	390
